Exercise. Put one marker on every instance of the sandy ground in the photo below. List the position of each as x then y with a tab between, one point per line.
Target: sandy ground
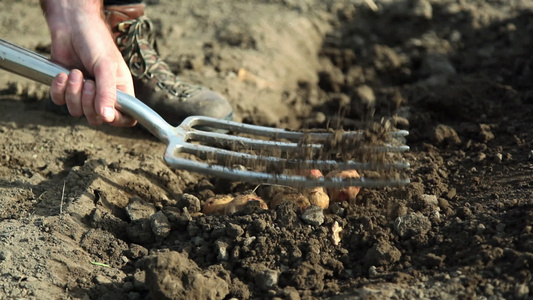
94	213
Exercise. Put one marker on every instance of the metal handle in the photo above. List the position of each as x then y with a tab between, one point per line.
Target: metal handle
36	67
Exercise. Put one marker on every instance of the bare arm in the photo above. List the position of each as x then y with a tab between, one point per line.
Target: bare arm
82	41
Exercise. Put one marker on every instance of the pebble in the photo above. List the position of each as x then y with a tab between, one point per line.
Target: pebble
160	225
291	294
138	209
412	224
444	134
286	213
222	250
234	230
139	279
480	157
485	133
400	121
248	241
521	291
464	212
422	8
451	193
372	272
366	95
4	255
181	220
259	225
480	228
140	231
430	200
337	209
313	215
434	216
101	279
191	202
136	251
266	279
382	254
218	231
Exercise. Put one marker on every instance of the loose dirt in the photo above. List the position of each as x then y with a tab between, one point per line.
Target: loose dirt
94	213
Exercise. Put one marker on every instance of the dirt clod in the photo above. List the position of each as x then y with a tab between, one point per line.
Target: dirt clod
412	224
171	275
313	215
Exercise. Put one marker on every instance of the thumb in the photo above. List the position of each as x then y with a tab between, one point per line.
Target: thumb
106	93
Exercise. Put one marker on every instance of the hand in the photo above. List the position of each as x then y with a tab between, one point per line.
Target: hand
81	40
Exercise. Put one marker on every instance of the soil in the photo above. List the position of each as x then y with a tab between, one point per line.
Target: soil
94	213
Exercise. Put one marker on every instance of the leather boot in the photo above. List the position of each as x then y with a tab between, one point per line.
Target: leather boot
154	82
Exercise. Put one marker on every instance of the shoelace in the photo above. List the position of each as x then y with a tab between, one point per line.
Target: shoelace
137	46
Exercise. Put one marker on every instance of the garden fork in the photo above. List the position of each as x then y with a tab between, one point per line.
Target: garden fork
213	147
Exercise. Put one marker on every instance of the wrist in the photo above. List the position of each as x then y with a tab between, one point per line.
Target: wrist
59	13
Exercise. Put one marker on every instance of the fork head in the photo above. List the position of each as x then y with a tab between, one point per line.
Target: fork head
259	154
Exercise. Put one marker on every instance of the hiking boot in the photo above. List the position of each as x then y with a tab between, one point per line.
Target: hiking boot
154	82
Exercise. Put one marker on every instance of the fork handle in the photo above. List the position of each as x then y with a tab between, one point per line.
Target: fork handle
36	67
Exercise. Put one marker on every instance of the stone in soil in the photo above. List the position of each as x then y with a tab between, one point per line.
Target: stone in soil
191	202
313	215
171	275
138	209
160	225
412	224
382	254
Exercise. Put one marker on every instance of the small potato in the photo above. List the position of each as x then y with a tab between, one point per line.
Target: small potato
312	173
298	198
344	194
317	196
240	201
217	205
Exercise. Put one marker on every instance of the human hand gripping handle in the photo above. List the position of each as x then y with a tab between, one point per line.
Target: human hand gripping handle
36	67
82	42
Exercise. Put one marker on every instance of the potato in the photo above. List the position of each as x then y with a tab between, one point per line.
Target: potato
344	194
216	205
315	173
240	201
311	173
298	198
317	196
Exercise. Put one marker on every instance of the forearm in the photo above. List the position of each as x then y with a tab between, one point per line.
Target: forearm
54	6
59	13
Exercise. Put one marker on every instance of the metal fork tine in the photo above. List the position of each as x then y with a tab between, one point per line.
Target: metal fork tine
255	144
281	179
194	121
204	152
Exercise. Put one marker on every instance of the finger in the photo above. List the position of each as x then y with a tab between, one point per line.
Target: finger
122	120
73	92
106	89
87	103
87	96
58	88
124	79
